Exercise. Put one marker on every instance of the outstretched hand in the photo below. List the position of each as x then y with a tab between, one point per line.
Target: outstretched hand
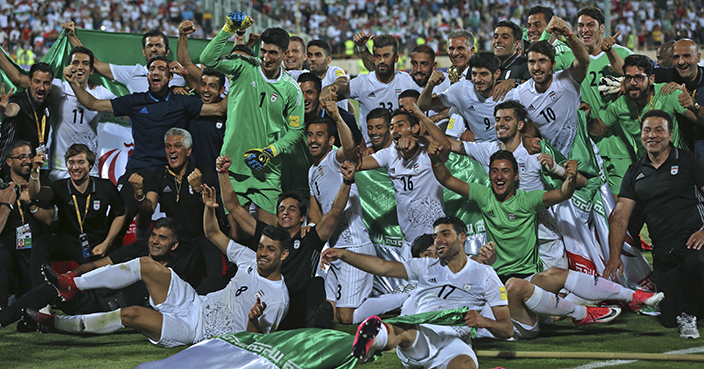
209	197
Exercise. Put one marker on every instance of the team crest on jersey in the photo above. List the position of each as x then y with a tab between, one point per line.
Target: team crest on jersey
274	96
119	186
467	287
96	204
258	294
674	169
296	244
522	167
218	125
190	189
398	92
553	96
416	168
511	216
320	170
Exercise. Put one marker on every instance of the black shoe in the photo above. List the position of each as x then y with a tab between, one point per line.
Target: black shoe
24	327
37	321
324	315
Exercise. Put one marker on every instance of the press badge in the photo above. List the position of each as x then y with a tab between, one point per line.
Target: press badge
43	149
24	237
85	245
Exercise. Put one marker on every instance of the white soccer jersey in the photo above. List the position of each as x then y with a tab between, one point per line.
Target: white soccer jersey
439	288
75	124
227	310
297	73
135	77
331	75
372	94
419	196
436	90
478	111
324	180
455	126
528	165
554	111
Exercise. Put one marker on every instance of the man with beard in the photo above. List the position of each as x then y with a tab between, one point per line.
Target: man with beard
379	128
642	95
319	59
379	88
177	189
474	98
21	221
419	196
71	122
25	115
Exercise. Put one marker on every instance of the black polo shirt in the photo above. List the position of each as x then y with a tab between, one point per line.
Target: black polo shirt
516	67
188	210
105	204
151	118
23	126
303	257
670	195
690	130
14	219
208	134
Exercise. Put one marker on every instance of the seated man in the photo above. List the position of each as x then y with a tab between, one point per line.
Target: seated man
180	316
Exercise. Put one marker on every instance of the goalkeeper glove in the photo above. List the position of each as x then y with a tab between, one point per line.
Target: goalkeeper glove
609	85
236	21
257	159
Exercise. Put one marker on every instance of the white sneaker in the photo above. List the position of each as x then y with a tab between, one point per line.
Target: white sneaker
688	326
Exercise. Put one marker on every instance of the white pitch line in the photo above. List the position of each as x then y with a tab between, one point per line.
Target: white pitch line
604	364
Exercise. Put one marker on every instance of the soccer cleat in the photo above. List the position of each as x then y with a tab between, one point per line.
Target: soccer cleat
324	315
688	326
36	321
598	315
63	283
641	297
366	332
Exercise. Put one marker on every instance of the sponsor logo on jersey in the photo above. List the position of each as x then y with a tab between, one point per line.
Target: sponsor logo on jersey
553	96
467	287
531	107
511	217
471	108
674	169
640	175
254	83
296	244
294	121
372	94
432	280
490	213
274	96
96	204
166	189
502	290
392	170
144	110
340	73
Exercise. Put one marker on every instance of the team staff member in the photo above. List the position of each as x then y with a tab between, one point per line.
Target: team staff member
666	185
91	214
178	188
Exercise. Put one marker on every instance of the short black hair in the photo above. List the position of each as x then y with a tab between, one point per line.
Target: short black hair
409	93
83	50
41	67
515	29
212	72
171	224
310	77
542	47
421	243
411	119
158	57
544	10
593	12
639	61
157	33
329	123
485	59
15	144
659	114
425	49
456	223
77	149
504	155
321	44
384	41
380	113
276	36
519	111
243	48
278	234
302	205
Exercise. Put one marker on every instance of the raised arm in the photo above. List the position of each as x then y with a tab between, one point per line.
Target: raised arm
367	263
244	220
211	54
18	78
100	67
347	146
615	59
435	133
553	197
191	71
426	100
147	201
84	97
7	109
442	174
360	41
328	222
210	221
580	65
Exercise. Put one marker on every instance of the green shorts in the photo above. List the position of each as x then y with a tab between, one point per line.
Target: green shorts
615	169
262	192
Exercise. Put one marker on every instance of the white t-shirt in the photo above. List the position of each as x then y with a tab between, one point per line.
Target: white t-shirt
419	196
227	310
528	165
441	289
478	111
135	77
75	124
554	111
372	94
324	180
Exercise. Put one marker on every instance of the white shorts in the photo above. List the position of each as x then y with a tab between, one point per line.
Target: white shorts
181	313
346	285
444	344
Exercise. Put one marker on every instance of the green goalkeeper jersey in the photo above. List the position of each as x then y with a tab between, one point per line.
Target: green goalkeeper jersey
261	111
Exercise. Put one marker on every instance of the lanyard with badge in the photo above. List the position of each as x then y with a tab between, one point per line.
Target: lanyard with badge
41	132
83	238
24	232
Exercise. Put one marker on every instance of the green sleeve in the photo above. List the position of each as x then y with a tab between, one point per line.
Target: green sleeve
535	200
609	117
673	100
295	111
545	36
210	57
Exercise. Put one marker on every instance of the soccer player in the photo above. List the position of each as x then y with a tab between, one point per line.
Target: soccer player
510	218
507	42
379	128
319	59
442	284
473	98
666	184
265	112
254	300
295	56
538	18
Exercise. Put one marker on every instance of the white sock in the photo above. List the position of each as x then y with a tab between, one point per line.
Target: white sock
596	288
111	276
378	306
68	323
103	323
382	338
546	303
578	300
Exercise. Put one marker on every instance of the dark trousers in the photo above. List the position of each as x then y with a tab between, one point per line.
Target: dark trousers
53	248
303	305
131	204
14	270
682	284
